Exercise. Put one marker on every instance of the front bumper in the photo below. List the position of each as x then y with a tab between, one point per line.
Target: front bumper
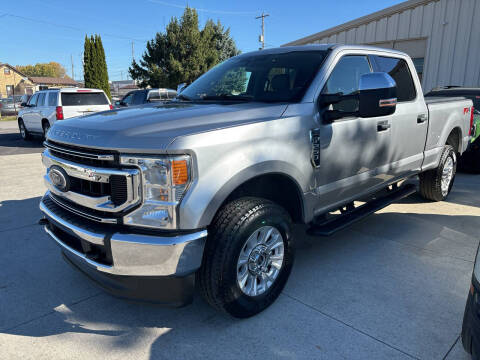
149	267
471	321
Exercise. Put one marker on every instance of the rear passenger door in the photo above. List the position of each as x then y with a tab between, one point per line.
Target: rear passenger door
409	123
37	113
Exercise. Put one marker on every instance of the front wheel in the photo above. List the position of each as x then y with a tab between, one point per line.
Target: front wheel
248	257
437	183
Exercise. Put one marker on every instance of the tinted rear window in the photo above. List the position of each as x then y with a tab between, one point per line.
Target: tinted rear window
79	99
398	70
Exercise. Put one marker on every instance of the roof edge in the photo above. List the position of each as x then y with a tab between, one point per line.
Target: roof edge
360	21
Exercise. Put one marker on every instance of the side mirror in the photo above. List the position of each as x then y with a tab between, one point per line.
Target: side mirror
377	95
181	87
23	104
123	103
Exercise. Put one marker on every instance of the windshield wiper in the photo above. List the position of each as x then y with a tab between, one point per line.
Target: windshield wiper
228	97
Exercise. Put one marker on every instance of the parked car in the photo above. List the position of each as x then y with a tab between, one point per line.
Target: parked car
10	105
45	107
145	96
471	319
147	199
470	160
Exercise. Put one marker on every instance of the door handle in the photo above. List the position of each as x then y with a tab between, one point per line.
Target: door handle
383	126
421	118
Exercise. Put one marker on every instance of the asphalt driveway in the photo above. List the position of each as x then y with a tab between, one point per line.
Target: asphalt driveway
391	287
11	142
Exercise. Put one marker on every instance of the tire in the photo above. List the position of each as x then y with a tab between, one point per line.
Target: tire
431	181
45	127
23	131
235	229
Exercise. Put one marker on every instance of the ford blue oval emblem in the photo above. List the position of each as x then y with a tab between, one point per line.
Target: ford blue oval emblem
59	178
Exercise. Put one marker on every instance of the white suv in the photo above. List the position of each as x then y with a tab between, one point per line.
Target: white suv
47	106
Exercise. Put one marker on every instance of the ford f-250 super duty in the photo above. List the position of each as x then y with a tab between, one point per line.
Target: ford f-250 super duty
147	200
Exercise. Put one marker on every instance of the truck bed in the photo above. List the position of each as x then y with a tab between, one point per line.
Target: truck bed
444	114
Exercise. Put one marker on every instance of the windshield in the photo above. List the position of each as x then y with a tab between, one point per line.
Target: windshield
266	78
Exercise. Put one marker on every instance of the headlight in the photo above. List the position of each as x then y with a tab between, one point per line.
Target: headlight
164	182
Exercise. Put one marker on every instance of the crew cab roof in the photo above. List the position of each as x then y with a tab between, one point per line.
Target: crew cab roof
321	47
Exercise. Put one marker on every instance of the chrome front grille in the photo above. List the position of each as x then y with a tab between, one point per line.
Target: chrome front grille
81	155
97	193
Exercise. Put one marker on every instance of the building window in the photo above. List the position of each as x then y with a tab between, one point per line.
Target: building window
9	90
6	71
418	63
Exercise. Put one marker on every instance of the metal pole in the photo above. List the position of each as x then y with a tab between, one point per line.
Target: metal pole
262	37
73	75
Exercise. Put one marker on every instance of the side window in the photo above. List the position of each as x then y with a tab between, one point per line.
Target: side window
345	79
52	99
399	71
41	99
138	97
33	100
128	99
153	95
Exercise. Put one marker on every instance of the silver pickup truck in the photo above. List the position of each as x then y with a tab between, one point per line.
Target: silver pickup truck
149	200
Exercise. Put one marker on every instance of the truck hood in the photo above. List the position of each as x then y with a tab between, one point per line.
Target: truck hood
150	128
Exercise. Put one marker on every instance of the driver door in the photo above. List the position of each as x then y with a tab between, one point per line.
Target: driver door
28	114
351	148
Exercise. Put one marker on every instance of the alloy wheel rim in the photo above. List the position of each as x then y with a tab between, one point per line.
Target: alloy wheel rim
260	261
447	175
22	130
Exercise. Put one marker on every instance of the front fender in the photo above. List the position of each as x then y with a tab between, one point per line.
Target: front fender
227	158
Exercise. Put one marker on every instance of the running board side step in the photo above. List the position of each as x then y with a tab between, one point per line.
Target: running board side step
340	222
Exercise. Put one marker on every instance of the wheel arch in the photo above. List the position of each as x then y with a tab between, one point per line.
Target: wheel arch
454	139
44	120
283	189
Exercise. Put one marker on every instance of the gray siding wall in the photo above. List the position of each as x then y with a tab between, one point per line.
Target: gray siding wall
451	29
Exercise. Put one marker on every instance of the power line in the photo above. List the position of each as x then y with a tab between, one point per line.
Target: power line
71	27
224	12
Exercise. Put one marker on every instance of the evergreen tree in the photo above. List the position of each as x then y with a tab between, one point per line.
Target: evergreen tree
183	52
95	65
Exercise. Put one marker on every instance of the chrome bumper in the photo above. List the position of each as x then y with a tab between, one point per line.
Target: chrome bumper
134	254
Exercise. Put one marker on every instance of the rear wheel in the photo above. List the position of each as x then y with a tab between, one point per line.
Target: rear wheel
437	183
23	130
45	127
248	257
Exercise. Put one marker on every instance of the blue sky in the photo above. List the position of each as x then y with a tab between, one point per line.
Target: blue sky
54	30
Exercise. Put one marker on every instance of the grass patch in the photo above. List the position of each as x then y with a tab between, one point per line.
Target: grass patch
8	118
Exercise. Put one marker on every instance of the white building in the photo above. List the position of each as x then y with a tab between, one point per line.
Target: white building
442	37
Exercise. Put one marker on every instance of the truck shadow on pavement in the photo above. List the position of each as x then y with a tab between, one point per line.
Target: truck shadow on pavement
41	296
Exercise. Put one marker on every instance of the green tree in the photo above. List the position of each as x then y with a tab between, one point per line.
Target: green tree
95	65
51	69
183	52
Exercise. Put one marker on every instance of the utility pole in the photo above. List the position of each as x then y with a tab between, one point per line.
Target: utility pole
133	51
262	37
73	74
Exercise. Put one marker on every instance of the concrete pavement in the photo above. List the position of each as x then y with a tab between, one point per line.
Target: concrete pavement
391	287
